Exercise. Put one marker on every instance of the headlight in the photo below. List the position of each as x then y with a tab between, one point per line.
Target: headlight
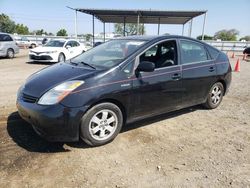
57	93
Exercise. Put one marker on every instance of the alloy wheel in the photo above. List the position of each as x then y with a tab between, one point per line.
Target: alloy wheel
216	95
103	124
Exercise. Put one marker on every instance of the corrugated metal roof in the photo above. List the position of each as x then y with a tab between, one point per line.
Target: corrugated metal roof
146	16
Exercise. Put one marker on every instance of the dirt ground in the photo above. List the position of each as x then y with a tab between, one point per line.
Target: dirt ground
193	147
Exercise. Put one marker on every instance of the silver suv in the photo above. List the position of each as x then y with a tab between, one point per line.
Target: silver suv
8	47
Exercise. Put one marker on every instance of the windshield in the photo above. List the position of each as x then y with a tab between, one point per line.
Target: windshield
108	54
55	43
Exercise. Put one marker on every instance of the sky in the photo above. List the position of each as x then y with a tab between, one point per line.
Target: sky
52	15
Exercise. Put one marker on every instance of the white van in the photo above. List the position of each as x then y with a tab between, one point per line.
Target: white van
8	46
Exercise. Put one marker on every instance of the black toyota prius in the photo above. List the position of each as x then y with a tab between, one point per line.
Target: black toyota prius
96	93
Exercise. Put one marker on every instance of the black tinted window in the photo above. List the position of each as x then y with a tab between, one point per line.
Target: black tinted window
4	37
213	52
74	44
162	55
192	52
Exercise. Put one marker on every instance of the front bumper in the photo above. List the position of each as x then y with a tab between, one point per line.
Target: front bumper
42	57
55	123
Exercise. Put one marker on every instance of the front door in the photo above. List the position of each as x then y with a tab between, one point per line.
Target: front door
158	91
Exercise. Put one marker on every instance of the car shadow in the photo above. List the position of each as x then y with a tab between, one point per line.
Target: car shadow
24	136
39	63
154	119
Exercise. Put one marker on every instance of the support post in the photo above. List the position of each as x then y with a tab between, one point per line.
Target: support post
104	33
76	24
190	28
159	22
204	24
93	29
183	29
138	24
124	26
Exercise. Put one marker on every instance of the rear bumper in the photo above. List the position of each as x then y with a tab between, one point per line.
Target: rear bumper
55	123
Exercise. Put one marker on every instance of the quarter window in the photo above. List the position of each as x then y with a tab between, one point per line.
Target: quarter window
213	52
192	52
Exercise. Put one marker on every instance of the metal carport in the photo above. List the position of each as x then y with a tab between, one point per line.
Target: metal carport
141	16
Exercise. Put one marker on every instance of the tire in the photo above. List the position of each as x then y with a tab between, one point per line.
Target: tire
95	129
215	96
61	57
10	53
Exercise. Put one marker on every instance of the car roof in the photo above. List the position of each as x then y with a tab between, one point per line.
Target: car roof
5	33
153	37
158	37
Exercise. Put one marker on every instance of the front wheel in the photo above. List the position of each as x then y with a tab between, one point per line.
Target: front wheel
101	124
10	53
61	58
215	96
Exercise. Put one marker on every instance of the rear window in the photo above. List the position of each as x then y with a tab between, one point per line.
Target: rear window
4	37
212	52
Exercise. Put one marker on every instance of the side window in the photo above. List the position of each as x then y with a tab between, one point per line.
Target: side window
192	52
162	55
69	43
4	37
77	43
74	44
8	38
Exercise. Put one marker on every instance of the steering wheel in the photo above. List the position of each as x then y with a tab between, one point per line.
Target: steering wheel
168	62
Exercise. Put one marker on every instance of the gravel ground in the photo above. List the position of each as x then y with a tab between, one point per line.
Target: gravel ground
193	147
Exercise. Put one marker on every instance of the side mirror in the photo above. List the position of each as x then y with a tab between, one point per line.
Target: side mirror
146	66
68	46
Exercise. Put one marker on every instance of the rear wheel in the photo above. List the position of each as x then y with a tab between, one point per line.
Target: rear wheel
101	124
10	53
61	57
215	96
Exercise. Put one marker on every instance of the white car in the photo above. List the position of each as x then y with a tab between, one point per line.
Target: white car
25	42
57	50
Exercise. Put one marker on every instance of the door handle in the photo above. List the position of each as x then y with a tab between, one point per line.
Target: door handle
176	76
211	69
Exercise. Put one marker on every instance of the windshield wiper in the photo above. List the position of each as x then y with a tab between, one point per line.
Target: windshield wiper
71	62
87	65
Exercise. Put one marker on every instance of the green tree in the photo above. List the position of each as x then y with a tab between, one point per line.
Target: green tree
21	29
227	35
206	37
62	32
130	29
40	32
88	37
6	24
246	38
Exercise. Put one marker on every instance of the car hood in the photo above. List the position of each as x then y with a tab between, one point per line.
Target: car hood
45	79
45	49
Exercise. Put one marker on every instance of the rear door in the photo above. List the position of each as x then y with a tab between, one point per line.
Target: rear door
198	72
158	91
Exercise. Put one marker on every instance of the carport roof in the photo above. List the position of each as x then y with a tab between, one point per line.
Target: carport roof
146	16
